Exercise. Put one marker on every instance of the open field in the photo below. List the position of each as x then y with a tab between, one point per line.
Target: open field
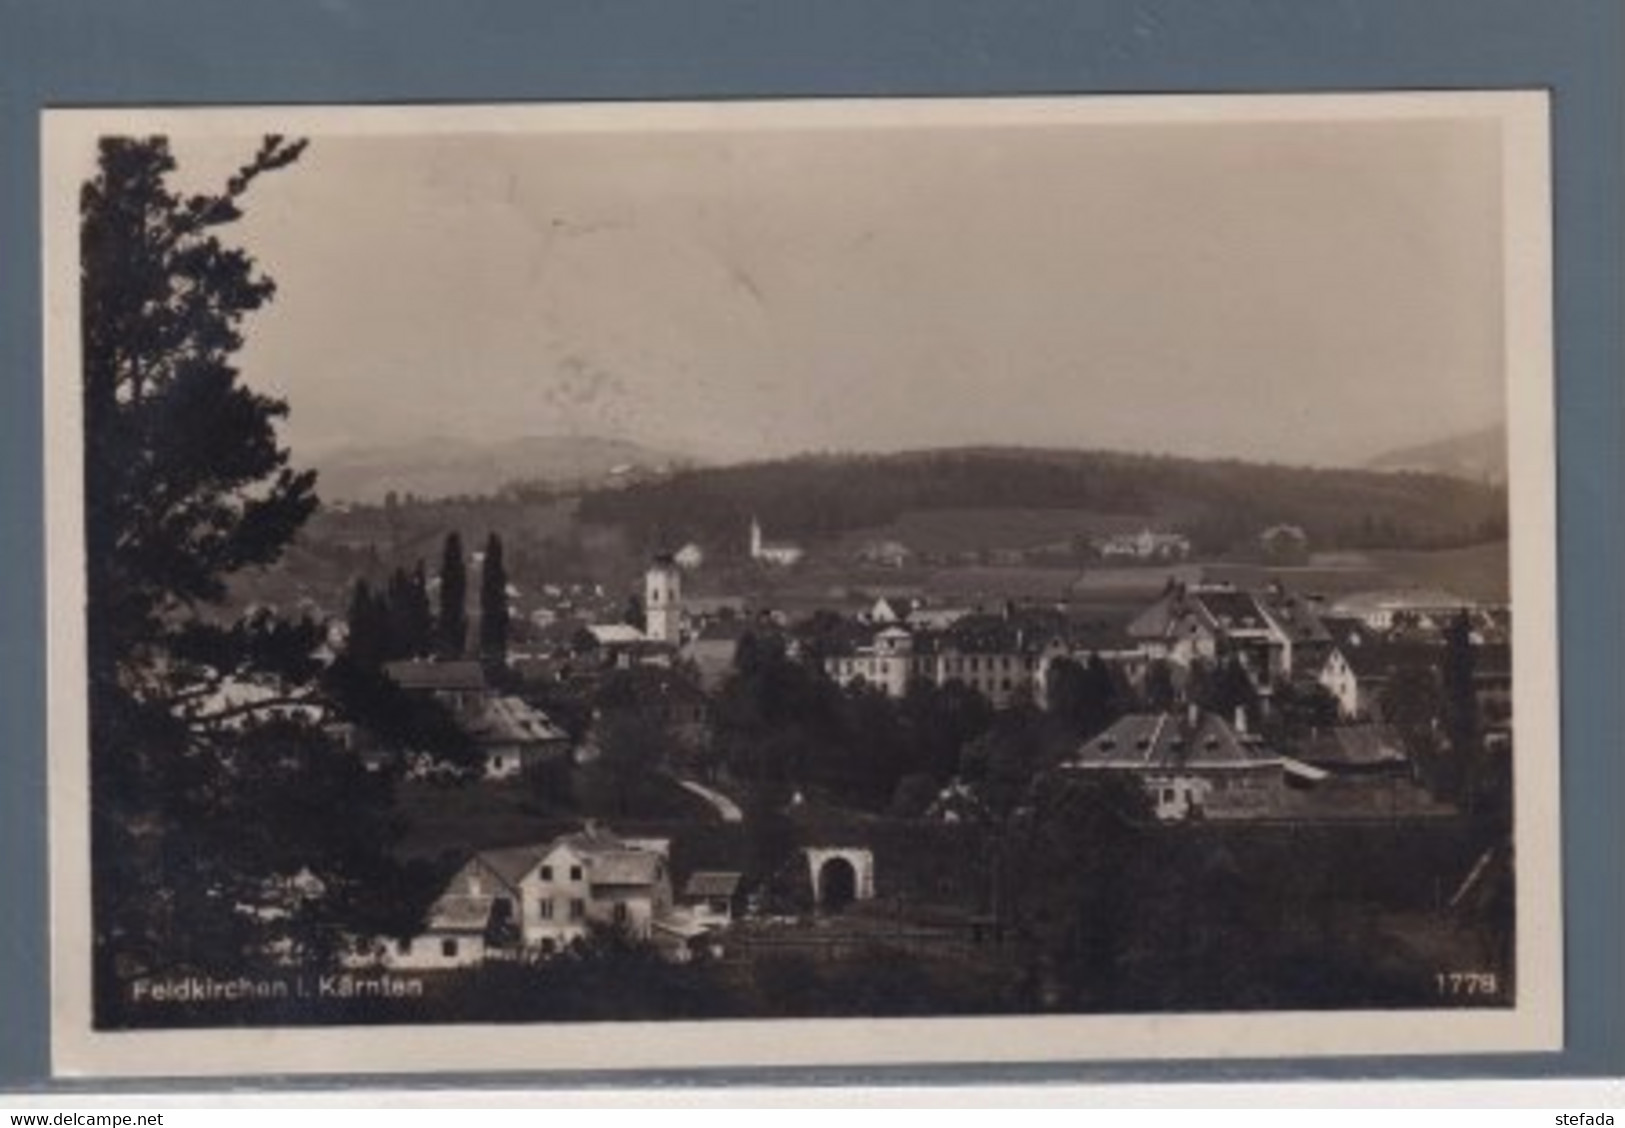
947	531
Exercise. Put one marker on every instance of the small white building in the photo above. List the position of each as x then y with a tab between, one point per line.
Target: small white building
782	553
711	897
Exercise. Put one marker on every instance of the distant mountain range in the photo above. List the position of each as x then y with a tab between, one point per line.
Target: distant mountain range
440	466
1478	456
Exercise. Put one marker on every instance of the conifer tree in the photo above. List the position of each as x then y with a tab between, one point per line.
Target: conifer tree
452	626
494	604
208	802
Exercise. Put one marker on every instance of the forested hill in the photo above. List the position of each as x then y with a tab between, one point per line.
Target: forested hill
1218	503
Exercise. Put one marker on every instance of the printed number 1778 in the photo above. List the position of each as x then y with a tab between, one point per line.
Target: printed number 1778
1467	984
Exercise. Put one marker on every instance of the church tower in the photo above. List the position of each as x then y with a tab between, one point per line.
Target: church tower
663	600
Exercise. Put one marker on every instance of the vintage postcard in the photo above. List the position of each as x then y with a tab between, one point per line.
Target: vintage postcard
829	582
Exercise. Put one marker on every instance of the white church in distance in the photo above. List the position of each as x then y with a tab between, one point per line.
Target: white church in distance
782	554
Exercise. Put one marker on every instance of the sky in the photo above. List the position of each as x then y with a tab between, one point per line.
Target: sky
1298	291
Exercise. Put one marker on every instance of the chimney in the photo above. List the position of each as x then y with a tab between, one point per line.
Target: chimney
1241	720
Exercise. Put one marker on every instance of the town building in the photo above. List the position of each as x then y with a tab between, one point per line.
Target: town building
1354	750
663	600
1002	656
1145	546
512	734
885	554
1284	542
1193	764
1386	610
529	902
1275	634
711	898
1359	670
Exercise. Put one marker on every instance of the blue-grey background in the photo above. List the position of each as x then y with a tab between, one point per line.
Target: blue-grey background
79	52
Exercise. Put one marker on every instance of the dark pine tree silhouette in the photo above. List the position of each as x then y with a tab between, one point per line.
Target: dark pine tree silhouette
206	803
494	604
452	626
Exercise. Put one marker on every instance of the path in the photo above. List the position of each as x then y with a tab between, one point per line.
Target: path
725	807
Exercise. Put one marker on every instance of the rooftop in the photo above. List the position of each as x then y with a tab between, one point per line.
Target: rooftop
710	883
510	720
1165	741
1353	746
453	676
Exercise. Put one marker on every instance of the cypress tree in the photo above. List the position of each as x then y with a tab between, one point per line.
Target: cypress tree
452	627
494	604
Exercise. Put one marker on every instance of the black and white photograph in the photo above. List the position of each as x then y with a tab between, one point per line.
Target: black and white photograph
803	582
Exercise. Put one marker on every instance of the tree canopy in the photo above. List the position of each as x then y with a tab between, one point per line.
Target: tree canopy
226	824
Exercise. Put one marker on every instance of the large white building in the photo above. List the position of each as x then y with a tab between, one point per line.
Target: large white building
533	901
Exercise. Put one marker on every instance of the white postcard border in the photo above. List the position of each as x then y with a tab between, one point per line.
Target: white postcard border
1534	1024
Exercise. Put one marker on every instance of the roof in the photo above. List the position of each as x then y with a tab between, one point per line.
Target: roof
510	720
1167	741
611	860
1024	630
615	634
512	863
1233	610
460	914
1168	613
1353	746
442	676
1377	660
1095	637
712	883
937	617
1294	617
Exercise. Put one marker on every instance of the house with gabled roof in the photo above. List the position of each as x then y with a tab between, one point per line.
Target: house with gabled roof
534	900
1354	750
1274	633
512	734
1358	670
1192	764
712	896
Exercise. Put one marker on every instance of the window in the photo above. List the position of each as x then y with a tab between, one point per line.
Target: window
578	909
544	908
448	948
404	947
575	873
547	873
620	912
